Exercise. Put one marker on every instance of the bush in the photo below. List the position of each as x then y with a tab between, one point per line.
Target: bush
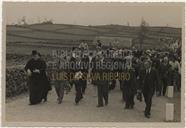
16	82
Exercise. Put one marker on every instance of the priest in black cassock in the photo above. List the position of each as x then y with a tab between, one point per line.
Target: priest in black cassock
34	69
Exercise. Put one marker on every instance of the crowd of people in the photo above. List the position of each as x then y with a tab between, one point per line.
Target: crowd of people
150	72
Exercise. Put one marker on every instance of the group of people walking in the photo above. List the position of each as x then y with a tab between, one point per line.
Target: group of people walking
150	73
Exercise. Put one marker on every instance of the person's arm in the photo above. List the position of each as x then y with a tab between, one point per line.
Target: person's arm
134	80
27	68
43	66
156	79
141	79
179	67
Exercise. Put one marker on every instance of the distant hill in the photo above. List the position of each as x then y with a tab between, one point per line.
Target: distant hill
62	33
21	39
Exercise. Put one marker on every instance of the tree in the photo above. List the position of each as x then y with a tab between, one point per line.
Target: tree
128	24
142	32
23	20
46	21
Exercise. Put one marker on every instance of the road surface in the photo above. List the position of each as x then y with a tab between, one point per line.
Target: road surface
17	109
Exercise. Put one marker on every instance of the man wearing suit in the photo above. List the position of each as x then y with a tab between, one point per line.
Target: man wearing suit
165	75
102	84
129	88
150	81
78	81
84	69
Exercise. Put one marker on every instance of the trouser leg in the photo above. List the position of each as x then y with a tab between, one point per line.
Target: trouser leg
158	88
132	100
120	84
164	87
113	84
100	95
127	101
78	92
178	81
161	87
148	102
45	95
61	93
123	94
105	93
57	89
84	86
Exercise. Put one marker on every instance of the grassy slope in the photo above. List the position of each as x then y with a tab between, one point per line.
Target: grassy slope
61	32
44	37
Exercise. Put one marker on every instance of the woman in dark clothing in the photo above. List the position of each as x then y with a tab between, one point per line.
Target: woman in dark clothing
34	70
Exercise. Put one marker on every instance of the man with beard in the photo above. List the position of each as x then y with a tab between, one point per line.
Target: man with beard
34	69
150	81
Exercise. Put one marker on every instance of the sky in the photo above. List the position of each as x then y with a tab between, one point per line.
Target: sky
156	14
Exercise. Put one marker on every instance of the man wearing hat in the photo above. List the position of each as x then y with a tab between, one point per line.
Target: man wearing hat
33	69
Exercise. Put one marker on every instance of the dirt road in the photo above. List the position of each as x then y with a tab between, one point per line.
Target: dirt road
17	109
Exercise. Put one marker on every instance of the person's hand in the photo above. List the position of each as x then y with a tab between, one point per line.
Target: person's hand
36	71
139	90
29	73
137	77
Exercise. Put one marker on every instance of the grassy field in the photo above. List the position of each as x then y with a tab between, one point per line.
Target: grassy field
44	37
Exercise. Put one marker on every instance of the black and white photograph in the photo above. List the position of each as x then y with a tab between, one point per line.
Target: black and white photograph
93	64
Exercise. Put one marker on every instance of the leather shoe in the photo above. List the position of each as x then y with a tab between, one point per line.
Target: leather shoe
126	107
147	115
99	106
106	103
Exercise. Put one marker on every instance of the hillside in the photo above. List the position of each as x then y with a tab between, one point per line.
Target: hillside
21	39
62	32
